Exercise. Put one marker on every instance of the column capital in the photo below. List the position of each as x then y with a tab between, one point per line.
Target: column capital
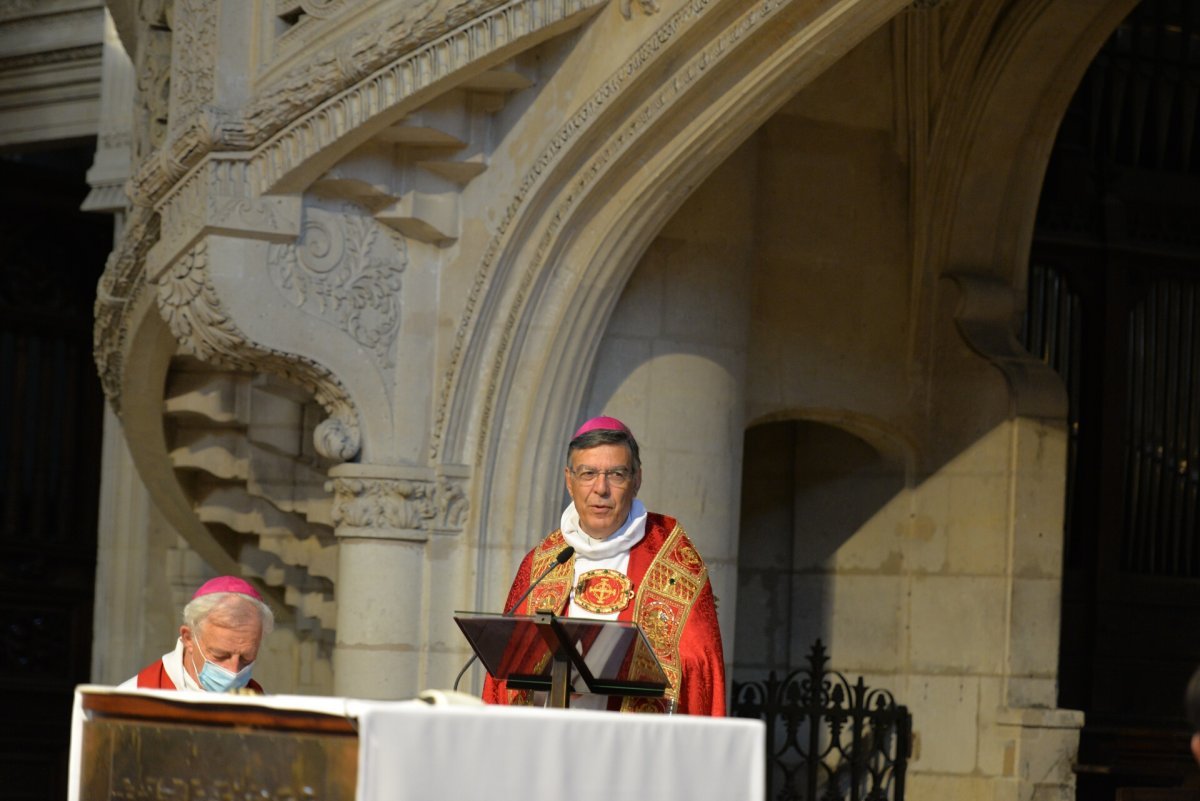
398	502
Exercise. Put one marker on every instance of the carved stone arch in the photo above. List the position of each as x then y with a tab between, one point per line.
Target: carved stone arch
990	134
894	445
994	141
552	275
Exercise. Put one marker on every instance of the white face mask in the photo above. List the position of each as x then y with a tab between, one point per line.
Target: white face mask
217	679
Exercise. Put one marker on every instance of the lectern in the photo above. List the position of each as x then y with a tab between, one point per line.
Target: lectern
546	652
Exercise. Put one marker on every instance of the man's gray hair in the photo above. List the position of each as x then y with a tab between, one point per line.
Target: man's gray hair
232	606
606	436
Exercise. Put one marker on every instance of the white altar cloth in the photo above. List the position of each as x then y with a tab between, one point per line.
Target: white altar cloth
410	751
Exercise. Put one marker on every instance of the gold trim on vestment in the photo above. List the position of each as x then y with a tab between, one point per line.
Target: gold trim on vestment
664	600
662	603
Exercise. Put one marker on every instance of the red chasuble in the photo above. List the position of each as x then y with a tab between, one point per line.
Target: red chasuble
673	605
154	677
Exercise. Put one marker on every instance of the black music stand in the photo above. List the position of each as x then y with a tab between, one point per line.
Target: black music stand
540	652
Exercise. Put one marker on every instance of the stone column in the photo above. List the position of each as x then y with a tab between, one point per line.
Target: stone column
110	166
384	516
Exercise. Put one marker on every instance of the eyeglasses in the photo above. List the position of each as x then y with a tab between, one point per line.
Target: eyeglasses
588	475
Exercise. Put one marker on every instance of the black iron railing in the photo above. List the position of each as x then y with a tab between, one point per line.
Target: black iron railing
828	739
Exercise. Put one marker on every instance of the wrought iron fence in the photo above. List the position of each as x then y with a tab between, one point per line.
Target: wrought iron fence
828	739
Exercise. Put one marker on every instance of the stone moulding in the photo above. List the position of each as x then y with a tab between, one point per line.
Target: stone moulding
397	502
428	64
584	119
318	105
215	197
122	282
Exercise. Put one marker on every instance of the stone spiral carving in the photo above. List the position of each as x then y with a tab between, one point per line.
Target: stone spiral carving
193	311
333	439
342	271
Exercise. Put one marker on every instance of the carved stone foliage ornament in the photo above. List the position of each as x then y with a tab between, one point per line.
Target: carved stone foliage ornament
648	7
397	508
324	9
153	64
344	271
195	42
194	312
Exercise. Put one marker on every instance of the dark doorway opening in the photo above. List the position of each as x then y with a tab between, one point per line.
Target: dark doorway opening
50	438
1114	306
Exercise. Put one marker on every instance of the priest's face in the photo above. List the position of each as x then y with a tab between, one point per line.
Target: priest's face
228	643
603	484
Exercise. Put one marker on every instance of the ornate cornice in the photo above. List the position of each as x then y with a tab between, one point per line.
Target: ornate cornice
84	53
194	312
398	503
428	63
368	48
216	196
342	88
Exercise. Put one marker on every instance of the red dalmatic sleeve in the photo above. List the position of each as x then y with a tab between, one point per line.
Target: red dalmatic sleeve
496	692
702	685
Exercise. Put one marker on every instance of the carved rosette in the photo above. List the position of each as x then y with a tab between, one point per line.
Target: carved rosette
379	502
193	311
345	273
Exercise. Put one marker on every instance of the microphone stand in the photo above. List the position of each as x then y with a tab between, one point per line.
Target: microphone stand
560	559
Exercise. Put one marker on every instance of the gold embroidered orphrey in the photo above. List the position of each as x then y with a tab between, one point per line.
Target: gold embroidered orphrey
662	604
603	591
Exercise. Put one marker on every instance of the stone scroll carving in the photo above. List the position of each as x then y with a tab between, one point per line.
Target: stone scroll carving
347	271
324	9
190	305
117	294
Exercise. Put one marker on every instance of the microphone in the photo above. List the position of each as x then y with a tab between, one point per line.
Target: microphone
560	559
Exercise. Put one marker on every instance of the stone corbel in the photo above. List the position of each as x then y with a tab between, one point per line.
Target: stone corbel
985	318
397	502
213	208
193	309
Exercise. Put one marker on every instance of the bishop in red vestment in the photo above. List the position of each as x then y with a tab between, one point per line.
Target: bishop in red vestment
628	564
218	643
